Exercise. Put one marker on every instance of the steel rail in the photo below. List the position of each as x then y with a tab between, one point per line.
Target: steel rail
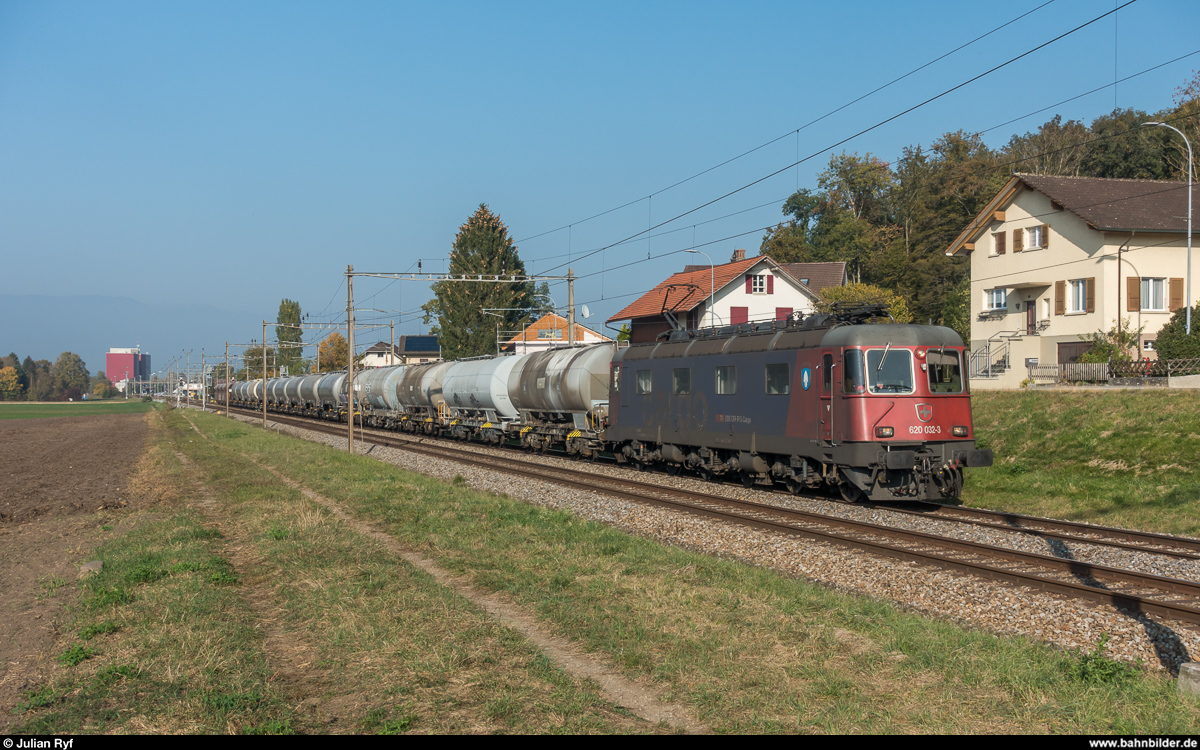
1178	599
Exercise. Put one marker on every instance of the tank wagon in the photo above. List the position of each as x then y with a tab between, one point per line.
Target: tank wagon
871	411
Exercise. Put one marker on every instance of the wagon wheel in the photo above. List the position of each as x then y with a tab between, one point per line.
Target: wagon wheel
794	485
706	475
674	469
747	479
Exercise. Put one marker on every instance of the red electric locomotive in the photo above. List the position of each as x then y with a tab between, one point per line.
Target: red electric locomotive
877	411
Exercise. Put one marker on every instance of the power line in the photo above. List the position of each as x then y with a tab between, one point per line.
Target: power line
863	131
797	130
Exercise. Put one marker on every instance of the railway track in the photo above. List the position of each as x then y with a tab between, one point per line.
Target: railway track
1132	591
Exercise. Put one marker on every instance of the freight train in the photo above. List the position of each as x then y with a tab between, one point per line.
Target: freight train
871	411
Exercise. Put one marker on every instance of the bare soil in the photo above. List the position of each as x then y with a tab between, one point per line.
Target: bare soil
63	482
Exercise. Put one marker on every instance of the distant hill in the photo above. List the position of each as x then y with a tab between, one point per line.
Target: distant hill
43	326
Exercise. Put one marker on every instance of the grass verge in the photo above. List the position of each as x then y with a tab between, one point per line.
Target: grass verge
1121	458
752	651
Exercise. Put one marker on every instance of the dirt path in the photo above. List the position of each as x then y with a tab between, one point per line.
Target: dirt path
641	699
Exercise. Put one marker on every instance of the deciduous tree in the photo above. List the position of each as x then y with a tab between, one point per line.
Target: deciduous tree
868	294
288	334
10	384
332	353
69	373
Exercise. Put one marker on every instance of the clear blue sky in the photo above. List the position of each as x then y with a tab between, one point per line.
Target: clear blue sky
142	143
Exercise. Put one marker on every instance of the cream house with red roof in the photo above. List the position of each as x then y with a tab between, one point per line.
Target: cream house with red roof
744	291
550	331
1055	258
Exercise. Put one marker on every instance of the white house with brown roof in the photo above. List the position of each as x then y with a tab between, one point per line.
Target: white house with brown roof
744	291
1054	259
550	331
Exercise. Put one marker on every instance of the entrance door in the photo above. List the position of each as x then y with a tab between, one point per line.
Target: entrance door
1030	318
826	398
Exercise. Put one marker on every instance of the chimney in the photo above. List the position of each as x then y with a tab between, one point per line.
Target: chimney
739	254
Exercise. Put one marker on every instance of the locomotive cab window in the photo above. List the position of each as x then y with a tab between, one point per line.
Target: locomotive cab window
852	379
945	374
889	370
616	380
726	381
779	382
643	381
681	381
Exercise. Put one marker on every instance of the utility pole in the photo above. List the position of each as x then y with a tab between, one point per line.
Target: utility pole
264	387
571	307
392	350
203	384
350	357
227	382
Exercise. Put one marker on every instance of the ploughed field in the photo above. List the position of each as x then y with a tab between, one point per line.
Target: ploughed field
67	465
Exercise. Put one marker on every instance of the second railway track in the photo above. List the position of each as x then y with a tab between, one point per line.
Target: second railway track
1132	591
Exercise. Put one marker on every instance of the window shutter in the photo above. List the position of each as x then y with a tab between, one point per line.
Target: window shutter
1133	289
1060	297
1091	294
739	315
1000	243
749	284
1176	294
783	313
1045	236
770	283
1018	240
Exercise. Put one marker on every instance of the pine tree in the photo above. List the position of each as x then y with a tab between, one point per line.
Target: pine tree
482	246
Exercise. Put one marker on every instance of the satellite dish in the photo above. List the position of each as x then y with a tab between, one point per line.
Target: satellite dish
586	312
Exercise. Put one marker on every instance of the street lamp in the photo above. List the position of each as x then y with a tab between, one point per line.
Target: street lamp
1188	301
712	285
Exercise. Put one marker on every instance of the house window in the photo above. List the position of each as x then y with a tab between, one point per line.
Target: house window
1033	238
1147	346
550	333
1077	296
726	381
1154	294
996	299
758	285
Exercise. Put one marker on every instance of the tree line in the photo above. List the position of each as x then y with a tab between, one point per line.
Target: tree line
891	222
67	378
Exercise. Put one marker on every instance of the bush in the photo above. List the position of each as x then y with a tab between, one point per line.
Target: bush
1173	341
1118	344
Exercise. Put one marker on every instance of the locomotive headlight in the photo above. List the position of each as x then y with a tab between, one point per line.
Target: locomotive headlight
959	431
882	432
920	354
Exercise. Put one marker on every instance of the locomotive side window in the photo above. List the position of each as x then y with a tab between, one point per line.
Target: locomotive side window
778	381
616	381
853	382
945	374
726	381
890	370
681	381
643	381
826	373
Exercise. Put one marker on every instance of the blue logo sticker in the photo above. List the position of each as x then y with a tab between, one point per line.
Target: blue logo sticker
805	378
